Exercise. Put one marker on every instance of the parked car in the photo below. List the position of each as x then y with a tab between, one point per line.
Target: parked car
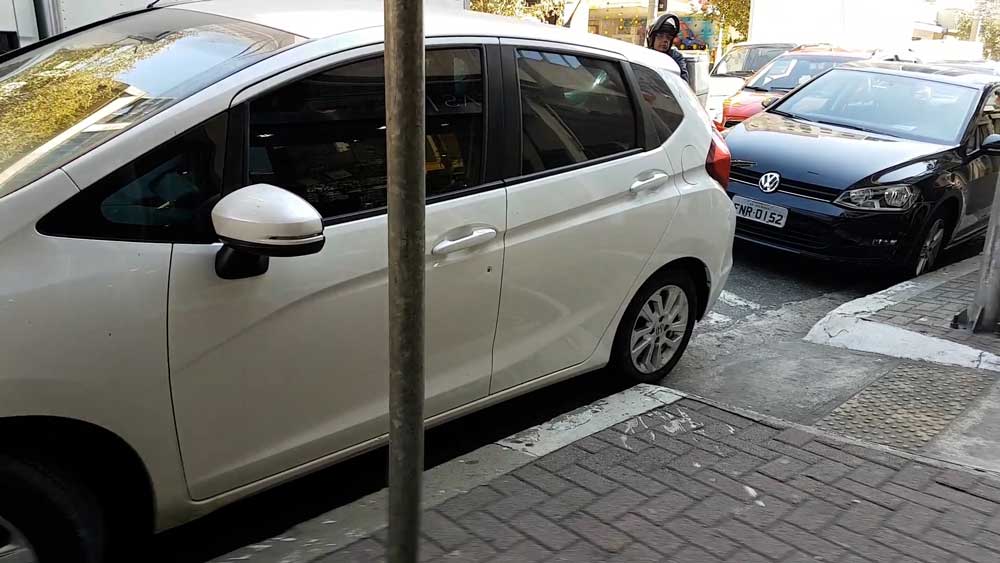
194	297
781	76
730	73
871	163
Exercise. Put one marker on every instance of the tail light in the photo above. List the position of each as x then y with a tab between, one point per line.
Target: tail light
719	159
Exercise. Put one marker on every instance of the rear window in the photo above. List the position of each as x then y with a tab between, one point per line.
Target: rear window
60	100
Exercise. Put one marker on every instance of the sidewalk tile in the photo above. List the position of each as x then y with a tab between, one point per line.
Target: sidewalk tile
864	517
827	471
360	551
965	499
563	457
692	554
835	454
783	468
542	479
763	511
913	519
869	493
871	474
597	532
636	553
524	552
814	514
680	482
543	531
859	544
614	504
488	528
578	553
916	497
714	509
765	485
739	464
475	499
471	552
755	539
954	544
661	508
443	531
962	521
649	534
806	541
566	503
704	537
794	437
635	481
588	480
912	547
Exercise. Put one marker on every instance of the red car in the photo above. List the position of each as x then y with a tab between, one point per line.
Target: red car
780	76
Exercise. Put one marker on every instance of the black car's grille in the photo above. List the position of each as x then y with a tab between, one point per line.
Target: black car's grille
789	236
787	186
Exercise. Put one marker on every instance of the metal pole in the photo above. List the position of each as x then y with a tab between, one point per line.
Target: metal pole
404	108
983	314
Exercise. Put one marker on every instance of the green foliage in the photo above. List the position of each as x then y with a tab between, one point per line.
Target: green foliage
548	11
989	32
734	14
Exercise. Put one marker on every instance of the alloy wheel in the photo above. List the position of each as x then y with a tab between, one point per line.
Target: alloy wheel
930	248
659	329
14	547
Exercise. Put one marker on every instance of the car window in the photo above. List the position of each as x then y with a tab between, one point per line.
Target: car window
62	99
659	100
789	71
165	195
901	106
323	137
573	109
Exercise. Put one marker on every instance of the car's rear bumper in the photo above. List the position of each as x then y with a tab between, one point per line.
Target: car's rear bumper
822	230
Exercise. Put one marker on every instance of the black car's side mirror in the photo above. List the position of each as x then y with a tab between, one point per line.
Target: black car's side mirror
991	145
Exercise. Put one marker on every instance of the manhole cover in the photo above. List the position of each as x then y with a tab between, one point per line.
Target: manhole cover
908	406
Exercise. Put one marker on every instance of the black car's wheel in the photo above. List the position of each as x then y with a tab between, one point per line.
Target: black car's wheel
924	257
656	327
47	516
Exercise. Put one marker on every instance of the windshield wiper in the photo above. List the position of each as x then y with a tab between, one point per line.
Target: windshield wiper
784	113
756	88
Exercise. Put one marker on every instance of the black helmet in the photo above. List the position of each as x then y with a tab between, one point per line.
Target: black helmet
667	23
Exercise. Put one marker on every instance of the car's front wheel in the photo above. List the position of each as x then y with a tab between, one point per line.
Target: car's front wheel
931	243
46	515
656	327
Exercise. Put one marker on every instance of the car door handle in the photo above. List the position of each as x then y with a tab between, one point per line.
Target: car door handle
479	235
651	183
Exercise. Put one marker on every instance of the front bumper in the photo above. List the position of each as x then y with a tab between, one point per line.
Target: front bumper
822	230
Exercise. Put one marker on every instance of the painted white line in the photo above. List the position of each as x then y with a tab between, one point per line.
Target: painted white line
568	428
847	327
734	300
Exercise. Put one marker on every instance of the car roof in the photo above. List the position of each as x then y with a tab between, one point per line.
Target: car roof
314	19
826	51
752	44
938	73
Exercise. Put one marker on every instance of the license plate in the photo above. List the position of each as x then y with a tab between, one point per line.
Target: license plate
760	212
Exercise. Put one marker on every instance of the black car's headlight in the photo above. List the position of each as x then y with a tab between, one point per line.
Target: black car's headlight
881	198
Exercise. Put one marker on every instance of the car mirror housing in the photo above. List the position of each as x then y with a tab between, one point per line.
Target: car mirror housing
991	144
768	102
261	221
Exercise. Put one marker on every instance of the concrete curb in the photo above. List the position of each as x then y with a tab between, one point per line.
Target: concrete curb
847	326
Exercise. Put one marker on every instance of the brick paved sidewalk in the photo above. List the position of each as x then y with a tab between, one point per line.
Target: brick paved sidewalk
691	483
931	313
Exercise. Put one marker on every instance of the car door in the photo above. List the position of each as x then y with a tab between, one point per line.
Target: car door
587	203
278	370
981	170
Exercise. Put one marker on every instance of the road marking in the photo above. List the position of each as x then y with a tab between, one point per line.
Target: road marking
570	427
733	300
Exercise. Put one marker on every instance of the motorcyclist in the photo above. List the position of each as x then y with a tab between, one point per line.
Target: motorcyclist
660	37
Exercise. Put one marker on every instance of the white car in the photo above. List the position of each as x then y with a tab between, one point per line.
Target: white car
193	299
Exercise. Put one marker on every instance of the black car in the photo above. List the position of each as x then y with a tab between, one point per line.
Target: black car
881	163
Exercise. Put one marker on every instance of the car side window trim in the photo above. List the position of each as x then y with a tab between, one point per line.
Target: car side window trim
493	118
644	121
512	132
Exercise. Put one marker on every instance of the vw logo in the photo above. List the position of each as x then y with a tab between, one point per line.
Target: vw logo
769	182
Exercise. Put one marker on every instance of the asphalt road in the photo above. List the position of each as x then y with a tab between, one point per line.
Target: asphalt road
761	281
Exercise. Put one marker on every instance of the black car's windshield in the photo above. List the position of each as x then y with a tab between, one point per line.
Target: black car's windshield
745	60
901	106
59	100
789	71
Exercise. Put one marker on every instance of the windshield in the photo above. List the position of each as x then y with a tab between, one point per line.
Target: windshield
746	60
59	100
790	71
900	106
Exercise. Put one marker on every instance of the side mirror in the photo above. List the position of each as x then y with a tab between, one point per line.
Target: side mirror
991	145
768	102
260	221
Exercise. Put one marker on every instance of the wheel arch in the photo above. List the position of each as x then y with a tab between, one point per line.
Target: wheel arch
700	275
104	460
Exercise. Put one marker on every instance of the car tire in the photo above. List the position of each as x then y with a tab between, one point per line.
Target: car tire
649	327
924	255
48	514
